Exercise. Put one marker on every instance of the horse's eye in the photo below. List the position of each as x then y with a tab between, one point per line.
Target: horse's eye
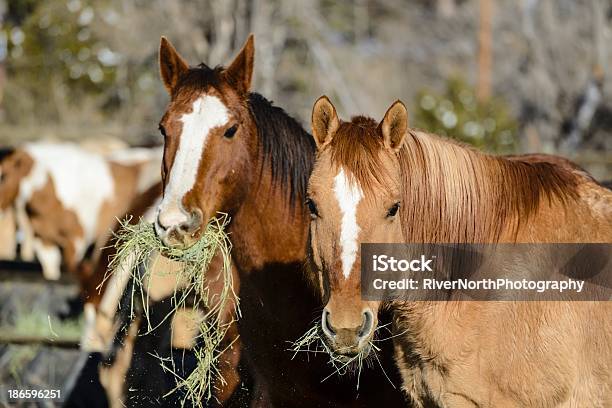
312	207
393	210
230	132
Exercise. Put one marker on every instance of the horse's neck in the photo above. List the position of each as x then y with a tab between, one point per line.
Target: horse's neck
430	329
267	229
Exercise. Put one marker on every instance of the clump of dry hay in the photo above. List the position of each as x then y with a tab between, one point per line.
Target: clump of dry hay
312	342
137	245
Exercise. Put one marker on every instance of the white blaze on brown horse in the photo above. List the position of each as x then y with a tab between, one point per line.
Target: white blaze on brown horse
415	187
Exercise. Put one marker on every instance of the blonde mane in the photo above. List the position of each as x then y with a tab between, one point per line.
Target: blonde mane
457	194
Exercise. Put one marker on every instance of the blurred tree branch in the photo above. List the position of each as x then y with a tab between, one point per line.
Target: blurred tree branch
313	28
483	89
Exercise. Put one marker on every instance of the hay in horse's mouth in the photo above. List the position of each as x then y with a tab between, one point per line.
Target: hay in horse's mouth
137	245
313	342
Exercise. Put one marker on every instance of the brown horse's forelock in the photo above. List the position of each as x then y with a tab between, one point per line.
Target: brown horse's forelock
286	149
198	79
451	192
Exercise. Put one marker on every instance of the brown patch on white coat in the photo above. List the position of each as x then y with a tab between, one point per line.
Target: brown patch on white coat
8	234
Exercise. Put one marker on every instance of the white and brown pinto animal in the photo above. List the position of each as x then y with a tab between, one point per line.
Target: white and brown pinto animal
383	182
66	199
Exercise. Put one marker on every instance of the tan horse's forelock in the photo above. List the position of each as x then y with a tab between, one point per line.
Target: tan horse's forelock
364	164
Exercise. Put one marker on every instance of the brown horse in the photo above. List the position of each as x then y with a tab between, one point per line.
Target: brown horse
229	150
382	182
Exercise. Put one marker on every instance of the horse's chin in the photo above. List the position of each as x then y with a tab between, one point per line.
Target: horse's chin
175	241
351	355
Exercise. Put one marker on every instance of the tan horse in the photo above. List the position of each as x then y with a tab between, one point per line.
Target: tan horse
383	182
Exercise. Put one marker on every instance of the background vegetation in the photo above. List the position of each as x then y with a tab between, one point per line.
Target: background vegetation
523	76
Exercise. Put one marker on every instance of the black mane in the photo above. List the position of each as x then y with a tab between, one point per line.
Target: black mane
286	147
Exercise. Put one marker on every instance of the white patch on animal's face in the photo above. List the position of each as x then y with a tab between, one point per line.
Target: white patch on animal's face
348	194
207	113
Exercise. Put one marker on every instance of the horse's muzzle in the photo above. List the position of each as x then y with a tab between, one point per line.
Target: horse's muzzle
179	230
348	342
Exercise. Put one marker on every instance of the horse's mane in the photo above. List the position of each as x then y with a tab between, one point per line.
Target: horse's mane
451	192
287	149
6	152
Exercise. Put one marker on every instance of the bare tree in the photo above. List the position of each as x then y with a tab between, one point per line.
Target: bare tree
3	53
313	28
483	89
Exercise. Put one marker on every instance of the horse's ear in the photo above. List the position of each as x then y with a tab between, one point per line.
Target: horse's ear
171	64
395	125
240	71
325	122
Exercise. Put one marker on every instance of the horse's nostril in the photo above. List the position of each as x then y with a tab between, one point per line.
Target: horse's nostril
368	321
161	224
196	216
325	324
172	219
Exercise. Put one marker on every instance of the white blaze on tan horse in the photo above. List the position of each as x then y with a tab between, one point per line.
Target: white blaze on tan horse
420	188
348	195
